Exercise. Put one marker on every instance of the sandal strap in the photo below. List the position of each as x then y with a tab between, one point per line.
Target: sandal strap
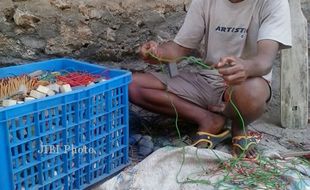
209	144
210	139
223	134
244	142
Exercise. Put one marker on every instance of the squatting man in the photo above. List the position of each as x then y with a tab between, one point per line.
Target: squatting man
240	40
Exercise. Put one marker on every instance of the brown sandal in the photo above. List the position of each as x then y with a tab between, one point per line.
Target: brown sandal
244	143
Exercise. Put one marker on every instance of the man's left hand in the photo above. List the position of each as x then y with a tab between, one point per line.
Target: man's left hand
232	69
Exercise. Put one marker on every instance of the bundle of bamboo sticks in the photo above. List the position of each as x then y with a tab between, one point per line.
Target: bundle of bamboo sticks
11	86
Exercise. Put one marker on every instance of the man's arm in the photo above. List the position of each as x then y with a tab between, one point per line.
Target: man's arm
152	52
236	70
261	64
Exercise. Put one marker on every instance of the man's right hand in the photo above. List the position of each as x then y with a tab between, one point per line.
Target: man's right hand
149	52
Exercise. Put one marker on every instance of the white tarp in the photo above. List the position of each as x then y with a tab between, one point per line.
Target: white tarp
160	170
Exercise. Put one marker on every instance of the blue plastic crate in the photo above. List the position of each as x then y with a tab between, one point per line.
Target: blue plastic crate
86	131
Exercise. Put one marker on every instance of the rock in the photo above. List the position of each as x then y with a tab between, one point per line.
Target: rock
18	31
33	42
134	139
139	23
25	19
178	143
71	40
29	54
166	142
152	19
84	31
55	46
147	138
146	146
162	35
115	26
97	14
61	4
111	35
135	67
47	30
84	10
9	48
90	12
144	151
8	14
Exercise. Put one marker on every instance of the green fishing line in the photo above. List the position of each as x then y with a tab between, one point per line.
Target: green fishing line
271	178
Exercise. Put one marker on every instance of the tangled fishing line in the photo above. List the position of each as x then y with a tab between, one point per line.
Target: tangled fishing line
264	173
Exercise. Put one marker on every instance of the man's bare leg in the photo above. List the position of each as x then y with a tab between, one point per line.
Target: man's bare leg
250	98
148	92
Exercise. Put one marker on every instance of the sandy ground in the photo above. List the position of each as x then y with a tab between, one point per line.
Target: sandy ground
282	139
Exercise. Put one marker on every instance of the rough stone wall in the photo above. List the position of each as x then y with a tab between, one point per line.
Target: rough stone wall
91	29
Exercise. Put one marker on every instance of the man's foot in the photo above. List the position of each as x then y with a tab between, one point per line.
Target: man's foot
244	146
208	136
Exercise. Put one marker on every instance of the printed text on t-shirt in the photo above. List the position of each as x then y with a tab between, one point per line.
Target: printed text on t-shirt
242	31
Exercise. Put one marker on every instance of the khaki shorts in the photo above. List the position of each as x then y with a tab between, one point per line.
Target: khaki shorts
202	88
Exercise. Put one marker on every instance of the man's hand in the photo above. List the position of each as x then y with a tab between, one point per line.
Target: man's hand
233	70
166	52
149	52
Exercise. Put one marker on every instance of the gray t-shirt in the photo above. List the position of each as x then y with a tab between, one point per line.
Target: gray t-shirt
233	29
